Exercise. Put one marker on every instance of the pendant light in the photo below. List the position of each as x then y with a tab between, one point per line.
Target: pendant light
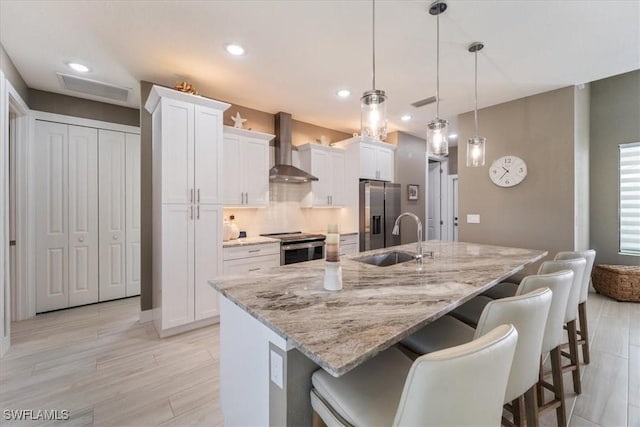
438	129
476	144
373	104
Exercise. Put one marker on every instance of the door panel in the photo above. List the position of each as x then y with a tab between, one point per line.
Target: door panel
368	167
257	172
132	178
321	169
83	215
177	151
434	201
384	161
177	265
208	259
337	168
231	171
208	155
52	242
112	214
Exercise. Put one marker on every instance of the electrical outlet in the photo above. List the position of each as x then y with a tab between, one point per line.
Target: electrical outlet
473	219
276	369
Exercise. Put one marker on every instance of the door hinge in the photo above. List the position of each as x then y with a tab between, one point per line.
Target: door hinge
12	242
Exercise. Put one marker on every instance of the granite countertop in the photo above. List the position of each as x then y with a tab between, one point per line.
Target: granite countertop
378	306
248	241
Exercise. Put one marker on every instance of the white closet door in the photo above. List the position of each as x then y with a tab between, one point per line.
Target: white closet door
83	215
111	145
177	152
52	242
133	213
208	155
208	259
177	265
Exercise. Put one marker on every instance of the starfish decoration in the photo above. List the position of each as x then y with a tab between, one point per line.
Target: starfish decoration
238	121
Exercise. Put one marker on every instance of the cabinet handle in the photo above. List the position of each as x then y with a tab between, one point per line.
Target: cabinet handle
197	211
191	211
254	269
191	196
331	198
254	250
198	195
246	198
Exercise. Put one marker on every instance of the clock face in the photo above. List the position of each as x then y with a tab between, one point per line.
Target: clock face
508	171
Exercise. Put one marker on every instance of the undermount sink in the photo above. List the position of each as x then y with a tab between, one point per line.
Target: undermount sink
386	259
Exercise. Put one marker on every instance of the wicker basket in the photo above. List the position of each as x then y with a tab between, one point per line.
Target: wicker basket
621	282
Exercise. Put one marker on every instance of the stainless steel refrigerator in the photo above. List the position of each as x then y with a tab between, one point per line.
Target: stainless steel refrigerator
379	208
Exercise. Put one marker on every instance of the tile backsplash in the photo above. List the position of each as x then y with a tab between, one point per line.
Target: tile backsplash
285	214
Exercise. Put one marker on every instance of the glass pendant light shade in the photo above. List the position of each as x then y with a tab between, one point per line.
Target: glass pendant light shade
373	114
475	151
438	137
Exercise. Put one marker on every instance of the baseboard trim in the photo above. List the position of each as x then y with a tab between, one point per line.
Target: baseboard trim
146	316
188	327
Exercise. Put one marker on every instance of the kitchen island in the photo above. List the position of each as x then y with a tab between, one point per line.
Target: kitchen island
278	326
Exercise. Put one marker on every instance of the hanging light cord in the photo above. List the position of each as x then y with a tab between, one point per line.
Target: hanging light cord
373	30
438	66
475	111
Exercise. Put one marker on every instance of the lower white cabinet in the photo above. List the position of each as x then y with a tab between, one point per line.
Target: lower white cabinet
247	259
349	244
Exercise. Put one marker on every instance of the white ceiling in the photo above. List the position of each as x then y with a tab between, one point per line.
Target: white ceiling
299	53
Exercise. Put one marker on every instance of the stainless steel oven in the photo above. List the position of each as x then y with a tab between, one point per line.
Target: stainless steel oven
299	247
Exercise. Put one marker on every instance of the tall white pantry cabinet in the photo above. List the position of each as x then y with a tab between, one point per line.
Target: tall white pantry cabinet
187	208
87	216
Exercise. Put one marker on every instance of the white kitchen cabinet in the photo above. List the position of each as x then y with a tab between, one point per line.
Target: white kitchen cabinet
246	168
349	244
80	215
187	201
376	162
328	165
247	259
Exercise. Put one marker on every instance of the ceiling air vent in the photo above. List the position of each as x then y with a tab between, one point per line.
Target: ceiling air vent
424	102
93	87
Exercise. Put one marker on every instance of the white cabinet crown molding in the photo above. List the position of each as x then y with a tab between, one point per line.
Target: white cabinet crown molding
363	140
158	92
313	146
80	121
230	130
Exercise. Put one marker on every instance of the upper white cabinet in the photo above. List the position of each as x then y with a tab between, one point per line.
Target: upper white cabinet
246	168
375	158
328	165
187	206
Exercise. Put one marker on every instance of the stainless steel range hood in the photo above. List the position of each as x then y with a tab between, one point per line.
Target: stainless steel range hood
283	171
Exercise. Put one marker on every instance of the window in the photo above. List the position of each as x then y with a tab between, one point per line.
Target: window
629	198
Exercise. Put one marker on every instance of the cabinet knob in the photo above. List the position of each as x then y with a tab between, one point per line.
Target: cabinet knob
80	239
115	237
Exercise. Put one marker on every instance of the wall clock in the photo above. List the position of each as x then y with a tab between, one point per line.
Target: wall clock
508	171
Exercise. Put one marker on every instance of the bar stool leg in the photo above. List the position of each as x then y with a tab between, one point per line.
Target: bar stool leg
531	406
558	385
584	332
573	356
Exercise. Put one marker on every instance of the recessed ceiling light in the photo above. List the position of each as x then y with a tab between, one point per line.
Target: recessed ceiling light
343	93
78	67
453	135
405	118
234	49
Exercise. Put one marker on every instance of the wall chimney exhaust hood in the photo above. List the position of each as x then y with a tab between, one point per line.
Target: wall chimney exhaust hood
283	171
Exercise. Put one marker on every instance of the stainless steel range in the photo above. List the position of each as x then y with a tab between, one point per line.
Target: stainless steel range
299	246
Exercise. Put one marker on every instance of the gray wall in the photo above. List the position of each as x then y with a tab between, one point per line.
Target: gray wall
411	169
581	166
452	163
78	107
12	74
539	212
146	208
615	119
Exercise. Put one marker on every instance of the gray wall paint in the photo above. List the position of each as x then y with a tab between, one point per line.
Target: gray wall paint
539	212
452	163
11	73
146	208
615	119
411	169
78	107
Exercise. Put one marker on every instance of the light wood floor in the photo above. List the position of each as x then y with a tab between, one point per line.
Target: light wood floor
104	367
